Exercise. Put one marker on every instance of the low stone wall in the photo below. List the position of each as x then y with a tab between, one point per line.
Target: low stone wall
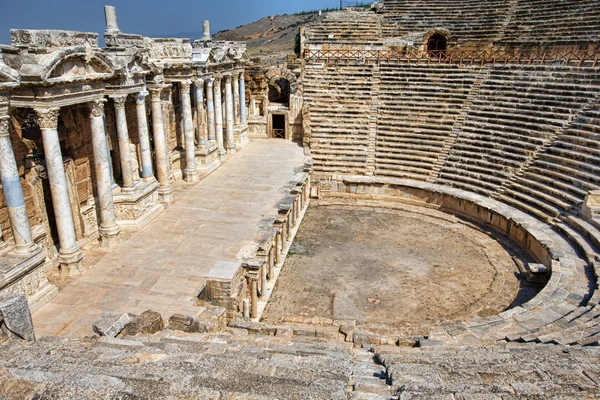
239	286
565	288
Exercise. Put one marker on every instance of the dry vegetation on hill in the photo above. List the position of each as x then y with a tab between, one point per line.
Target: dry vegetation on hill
270	38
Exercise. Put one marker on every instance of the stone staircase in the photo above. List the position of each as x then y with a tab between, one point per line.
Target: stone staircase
519	110
560	174
419	105
458	124
339	100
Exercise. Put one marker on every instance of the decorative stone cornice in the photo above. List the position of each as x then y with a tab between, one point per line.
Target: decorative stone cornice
120	100
4	125
47	118
97	108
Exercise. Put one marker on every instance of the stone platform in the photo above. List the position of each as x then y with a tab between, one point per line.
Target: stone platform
162	266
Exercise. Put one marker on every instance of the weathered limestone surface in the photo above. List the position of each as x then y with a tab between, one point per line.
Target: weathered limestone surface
16	318
211	222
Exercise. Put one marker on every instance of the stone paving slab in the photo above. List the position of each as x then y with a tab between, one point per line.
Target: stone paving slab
162	266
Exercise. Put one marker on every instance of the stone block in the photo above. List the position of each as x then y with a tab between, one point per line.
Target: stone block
111	325
149	322
16	317
183	323
213	319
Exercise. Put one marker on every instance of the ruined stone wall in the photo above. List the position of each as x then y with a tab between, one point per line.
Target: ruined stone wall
257	87
76	140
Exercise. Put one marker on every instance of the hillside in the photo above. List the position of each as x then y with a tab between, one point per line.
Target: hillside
270	38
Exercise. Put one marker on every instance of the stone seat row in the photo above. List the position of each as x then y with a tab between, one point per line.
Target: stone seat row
210	366
502	371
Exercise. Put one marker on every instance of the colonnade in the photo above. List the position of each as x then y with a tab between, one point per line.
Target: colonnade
219	101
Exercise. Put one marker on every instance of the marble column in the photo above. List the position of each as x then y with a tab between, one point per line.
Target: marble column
165	192
200	113
210	109
108	228
70	256
242	98
142	121
219	116
236	99
124	143
230	142
191	171
13	193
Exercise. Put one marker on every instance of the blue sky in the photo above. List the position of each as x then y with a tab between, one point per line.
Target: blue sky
146	17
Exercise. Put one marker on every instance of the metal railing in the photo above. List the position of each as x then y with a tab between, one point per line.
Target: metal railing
461	57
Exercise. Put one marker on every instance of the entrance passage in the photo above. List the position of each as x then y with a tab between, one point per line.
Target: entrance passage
278	126
437	45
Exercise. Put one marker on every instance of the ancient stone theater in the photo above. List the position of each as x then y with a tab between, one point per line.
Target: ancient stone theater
408	208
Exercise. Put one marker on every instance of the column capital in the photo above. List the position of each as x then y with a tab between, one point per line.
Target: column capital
4	125
210	81
97	108
228	78
217	80
199	82
119	100
140	98
47	118
155	93
185	85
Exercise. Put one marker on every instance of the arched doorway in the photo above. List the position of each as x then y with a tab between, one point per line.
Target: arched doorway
437	45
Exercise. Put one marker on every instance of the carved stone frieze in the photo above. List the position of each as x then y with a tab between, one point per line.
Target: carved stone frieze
51	38
129	211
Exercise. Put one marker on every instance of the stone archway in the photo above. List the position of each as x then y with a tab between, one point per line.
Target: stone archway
436	42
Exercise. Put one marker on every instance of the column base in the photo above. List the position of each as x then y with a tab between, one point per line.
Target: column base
71	262
110	237
222	154
231	149
191	175
128	189
165	194
31	248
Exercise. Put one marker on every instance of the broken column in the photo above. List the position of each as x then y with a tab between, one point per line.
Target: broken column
15	317
110	15
206	30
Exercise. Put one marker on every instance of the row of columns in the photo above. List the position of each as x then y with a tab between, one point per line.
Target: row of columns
210	129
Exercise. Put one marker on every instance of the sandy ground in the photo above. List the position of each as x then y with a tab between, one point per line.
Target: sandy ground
397	267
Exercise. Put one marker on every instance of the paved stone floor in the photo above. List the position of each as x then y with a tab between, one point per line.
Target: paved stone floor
161	266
